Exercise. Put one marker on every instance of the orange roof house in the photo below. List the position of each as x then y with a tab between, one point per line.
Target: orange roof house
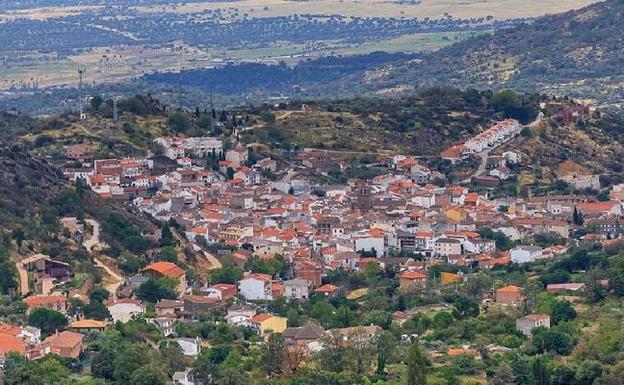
509	295
87	325
65	344
54	302
327	289
10	343
412	279
167	269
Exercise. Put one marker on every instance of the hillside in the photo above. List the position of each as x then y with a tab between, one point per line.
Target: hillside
579	53
422	125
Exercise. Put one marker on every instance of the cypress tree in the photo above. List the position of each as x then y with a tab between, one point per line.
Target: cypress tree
540	372
416	366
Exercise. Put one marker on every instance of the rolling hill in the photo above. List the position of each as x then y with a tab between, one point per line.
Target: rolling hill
578	53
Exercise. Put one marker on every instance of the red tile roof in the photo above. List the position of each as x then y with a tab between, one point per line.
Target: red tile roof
167	269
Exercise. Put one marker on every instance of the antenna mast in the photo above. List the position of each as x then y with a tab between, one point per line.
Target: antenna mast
81	72
115	113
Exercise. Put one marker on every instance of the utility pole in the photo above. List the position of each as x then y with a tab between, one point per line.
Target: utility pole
115	113
81	72
212	113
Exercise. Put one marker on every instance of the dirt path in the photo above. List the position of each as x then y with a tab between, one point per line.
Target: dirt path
114	279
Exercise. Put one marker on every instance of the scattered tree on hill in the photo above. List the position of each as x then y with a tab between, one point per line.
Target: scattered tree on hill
577	217
416	366
49	321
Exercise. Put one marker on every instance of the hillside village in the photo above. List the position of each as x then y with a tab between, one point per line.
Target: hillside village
288	261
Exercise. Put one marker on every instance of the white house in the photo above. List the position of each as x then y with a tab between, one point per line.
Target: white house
255	287
297	288
190	346
183	378
369	241
524	254
240	314
479	245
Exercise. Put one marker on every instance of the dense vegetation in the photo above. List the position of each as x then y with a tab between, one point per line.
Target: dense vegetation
246	77
575	53
214	28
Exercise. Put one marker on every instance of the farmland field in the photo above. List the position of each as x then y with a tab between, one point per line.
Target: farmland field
118	42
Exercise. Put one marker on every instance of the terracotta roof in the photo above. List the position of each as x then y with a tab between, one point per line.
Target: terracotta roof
64	340
10	329
260	318
259	277
413	275
9	343
326	289
42	300
88	324
509	289
453	152
165	268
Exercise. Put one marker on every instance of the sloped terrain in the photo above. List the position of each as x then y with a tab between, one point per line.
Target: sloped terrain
579	53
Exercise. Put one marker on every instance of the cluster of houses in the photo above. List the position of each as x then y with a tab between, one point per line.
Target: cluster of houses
397	218
487	140
393	218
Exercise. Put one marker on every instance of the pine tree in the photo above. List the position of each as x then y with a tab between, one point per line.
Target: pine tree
416	366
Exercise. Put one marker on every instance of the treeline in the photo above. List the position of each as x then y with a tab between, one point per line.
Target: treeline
246	77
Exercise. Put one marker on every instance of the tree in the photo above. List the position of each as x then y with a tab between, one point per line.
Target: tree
371	274
178	122
226	274
96	102
442	320
205	371
465	308
274	354
385	347
129	360
361	350
344	317
378	317
522	372
173	357
166	236
502	376
19	236
156	289
103	364
49	321
98	294
96	310
416	366
552	340
562	311
477	284
8	272
540	372
168	254
148	375
231	376
334	355
577	217
19	371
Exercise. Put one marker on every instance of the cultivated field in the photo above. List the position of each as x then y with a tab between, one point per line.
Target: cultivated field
500	9
23	69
